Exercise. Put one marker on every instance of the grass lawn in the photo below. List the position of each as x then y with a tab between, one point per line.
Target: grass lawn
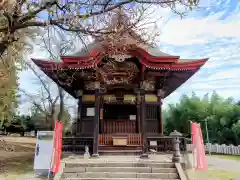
213	174
15	164
16	167
232	157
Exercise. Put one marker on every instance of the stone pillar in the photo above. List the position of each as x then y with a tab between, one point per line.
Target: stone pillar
143	123
96	120
176	148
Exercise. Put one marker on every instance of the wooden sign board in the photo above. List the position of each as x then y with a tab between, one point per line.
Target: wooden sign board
132	117
90	112
153	143
119	141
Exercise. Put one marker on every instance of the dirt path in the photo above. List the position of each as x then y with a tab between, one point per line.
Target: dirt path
18	160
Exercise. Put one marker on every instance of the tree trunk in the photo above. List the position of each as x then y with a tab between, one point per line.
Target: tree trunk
61	97
52	119
3	48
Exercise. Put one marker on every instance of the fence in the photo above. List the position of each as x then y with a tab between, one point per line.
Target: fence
219	149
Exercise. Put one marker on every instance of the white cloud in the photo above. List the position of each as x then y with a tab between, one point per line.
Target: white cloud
195	31
205	34
233	73
201	25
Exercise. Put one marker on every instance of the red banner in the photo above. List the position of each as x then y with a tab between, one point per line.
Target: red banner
198	143
57	147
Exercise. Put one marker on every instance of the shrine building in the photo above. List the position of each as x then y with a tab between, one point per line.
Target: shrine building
120	85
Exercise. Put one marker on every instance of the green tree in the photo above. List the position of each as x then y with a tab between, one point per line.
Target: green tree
8	91
221	115
39	119
65	117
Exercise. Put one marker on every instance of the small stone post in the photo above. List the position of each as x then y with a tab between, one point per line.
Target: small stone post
176	148
86	154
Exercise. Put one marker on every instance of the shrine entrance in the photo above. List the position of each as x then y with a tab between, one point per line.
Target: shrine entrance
119	127
119	118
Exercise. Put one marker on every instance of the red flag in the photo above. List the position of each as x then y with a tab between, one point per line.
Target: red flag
197	141
57	147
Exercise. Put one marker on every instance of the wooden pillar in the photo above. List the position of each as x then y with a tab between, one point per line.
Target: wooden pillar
96	119
138	119
79	94
96	123
101	115
143	124
79	116
161	121
160	95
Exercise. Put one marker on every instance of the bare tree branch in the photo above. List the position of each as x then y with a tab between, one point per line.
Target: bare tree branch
41	81
68	13
33	101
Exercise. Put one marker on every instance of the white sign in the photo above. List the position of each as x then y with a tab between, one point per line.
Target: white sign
43	151
132	117
153	143
90	111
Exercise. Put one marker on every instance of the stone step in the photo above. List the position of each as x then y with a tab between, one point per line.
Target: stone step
120	169
115	179
121	175
119	164
120	152
111	150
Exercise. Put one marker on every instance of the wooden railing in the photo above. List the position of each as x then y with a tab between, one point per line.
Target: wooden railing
77	144
132	139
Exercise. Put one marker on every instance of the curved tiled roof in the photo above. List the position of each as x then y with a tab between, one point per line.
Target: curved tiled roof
154	51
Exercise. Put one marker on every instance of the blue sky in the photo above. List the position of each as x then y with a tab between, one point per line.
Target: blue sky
213	31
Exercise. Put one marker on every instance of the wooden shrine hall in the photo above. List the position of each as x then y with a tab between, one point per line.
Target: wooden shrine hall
120	87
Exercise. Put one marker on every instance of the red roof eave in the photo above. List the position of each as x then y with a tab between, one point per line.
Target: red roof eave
50	65
46	64
178	66
72	59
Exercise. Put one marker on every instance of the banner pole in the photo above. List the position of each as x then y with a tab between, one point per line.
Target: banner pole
193	151
193	148
206	127
51	162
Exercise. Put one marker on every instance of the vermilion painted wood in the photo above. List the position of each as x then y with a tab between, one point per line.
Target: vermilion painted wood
132	139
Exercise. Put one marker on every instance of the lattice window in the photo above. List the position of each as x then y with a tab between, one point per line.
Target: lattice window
152	112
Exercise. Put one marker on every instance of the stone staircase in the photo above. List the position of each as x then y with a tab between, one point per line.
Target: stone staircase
127	170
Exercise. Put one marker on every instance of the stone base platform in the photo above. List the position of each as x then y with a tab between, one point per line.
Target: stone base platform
119	167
